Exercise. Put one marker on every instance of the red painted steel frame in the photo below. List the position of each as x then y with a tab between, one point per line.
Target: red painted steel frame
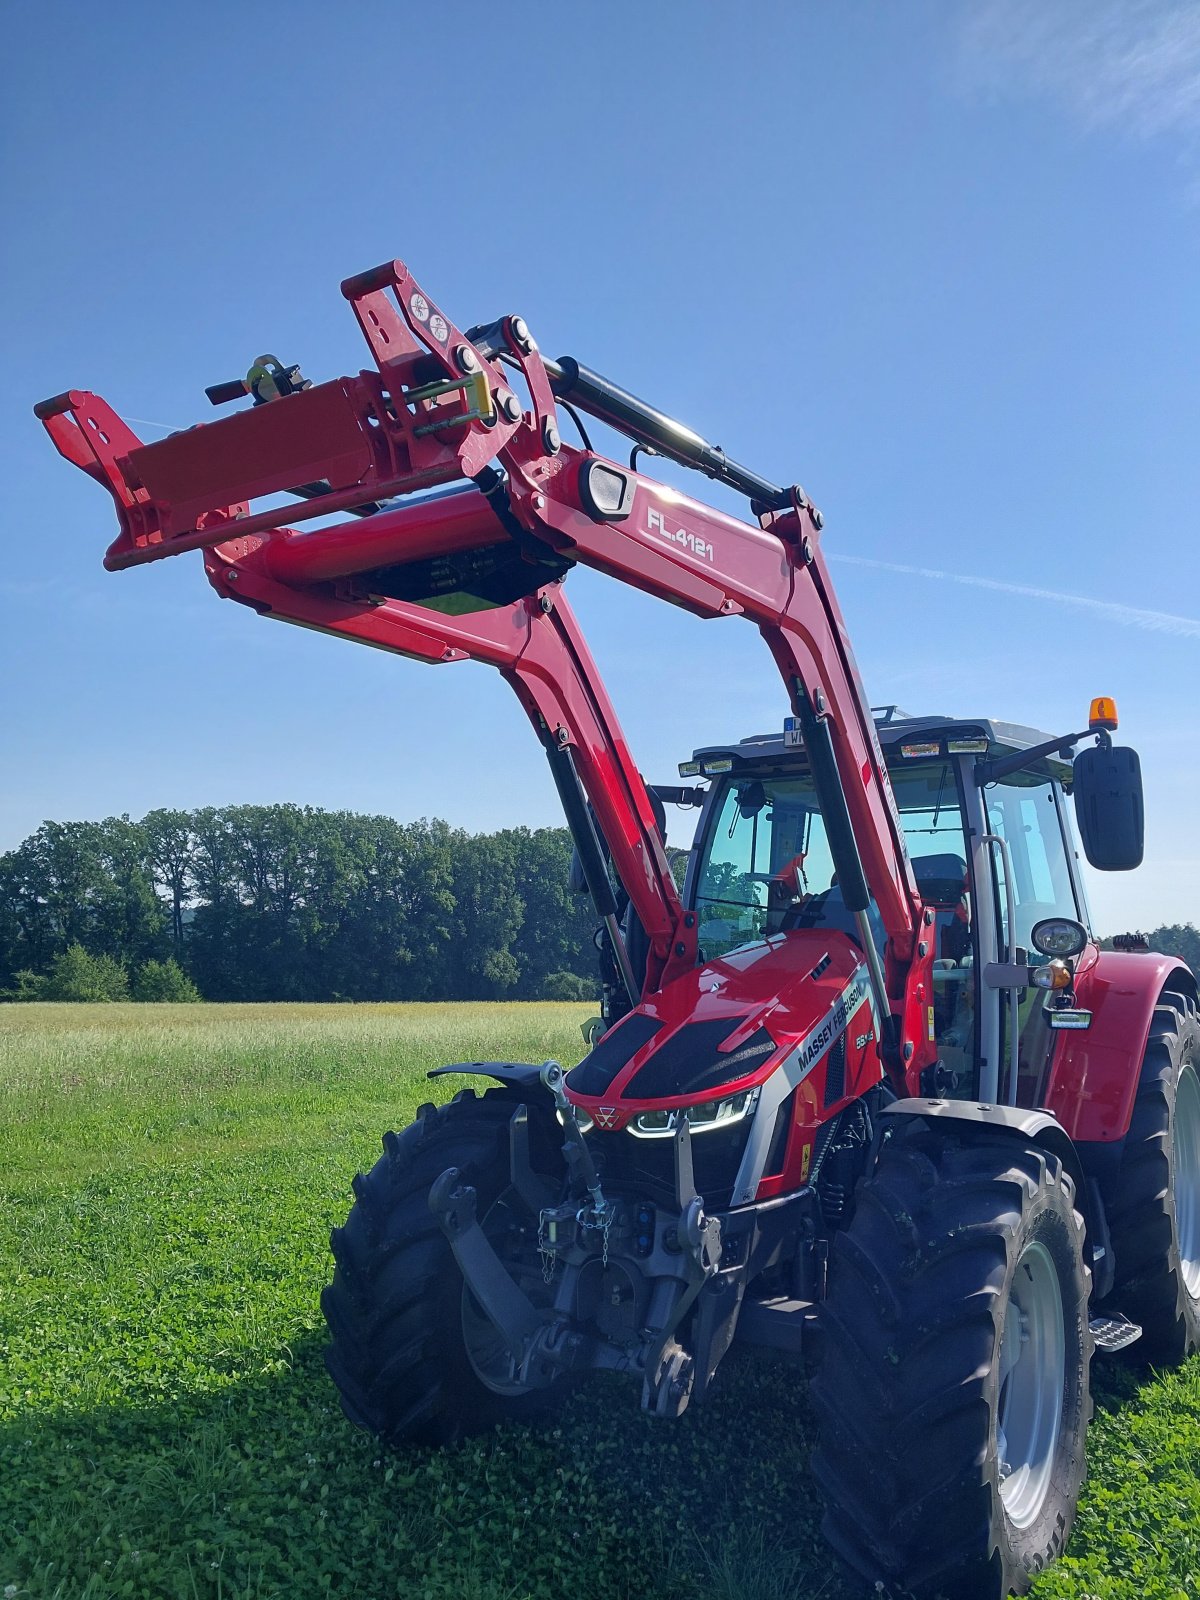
382	434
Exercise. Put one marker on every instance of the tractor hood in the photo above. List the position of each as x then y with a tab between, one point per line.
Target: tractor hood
776	1009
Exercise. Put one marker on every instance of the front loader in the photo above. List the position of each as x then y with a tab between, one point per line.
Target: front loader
868	1078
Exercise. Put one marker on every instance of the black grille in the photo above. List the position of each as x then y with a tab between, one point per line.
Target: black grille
619	1045
835	1071
779	1138
646	1167
690	1061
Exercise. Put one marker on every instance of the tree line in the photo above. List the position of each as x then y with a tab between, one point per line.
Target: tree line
286	902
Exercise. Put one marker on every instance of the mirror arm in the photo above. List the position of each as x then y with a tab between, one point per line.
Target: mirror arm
992	771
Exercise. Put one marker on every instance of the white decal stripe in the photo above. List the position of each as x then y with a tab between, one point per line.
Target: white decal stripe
790	1073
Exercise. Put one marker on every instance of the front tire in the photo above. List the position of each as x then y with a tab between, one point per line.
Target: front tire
953	1393
412	1356
1155	1216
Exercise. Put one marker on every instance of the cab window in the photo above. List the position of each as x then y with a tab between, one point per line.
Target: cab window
930	807
1021	810
766	868
764	857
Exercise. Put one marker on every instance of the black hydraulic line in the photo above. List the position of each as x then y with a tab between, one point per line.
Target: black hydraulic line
591	856
583	829
578	421
843	847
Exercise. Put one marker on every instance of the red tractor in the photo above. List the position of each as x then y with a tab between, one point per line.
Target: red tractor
869	1077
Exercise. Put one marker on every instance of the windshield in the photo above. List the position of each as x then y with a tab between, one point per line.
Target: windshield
766	866
766	863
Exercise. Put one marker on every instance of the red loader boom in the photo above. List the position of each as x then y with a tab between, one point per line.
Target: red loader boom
441	407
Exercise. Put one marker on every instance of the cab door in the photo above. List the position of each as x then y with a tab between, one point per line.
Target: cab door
1023	857
930	798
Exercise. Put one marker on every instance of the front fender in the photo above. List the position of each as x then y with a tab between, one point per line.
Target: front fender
1094	1074
517	1074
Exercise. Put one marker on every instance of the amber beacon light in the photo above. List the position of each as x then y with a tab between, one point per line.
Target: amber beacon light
1103	714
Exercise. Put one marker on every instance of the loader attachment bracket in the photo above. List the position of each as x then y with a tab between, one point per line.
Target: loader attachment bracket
435	409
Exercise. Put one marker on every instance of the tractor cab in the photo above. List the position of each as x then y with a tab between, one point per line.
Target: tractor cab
993	858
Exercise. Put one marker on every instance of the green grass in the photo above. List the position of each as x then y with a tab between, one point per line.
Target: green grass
169	1177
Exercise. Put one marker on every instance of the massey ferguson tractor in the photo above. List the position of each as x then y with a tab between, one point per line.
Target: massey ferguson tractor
866	1090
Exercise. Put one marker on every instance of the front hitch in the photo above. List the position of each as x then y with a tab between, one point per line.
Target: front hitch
503	1302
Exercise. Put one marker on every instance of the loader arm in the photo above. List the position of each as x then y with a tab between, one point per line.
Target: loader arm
476	573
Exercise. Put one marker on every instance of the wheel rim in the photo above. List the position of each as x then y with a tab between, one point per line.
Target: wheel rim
1185	1140
507	1225
1033	1360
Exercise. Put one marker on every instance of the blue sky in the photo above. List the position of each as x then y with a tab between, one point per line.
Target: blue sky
937	262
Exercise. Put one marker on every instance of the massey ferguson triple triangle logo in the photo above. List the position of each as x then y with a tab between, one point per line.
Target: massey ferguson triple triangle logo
607	1117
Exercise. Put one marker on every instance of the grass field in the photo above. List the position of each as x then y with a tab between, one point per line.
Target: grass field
169	1178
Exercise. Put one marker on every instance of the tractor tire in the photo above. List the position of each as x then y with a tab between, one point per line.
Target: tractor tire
412	1356
1154	1219
953	1391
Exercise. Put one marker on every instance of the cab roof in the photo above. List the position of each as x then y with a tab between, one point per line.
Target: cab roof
895	729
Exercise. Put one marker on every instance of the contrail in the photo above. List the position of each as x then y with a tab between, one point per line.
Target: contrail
1124	616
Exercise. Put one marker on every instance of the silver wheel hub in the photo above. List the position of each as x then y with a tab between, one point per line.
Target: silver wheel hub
1185	1141
1033	1364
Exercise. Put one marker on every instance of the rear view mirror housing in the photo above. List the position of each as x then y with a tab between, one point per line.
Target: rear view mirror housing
1107	785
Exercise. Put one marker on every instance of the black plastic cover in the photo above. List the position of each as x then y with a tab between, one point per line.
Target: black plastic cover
690	1061
618	1047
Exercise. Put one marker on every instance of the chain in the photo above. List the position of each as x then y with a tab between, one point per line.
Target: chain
547	1255
598	1218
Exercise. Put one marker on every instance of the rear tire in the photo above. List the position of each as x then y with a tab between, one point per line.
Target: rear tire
397	1307
953	1391
1155	1215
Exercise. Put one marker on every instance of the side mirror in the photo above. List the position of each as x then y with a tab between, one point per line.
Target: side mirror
1107	785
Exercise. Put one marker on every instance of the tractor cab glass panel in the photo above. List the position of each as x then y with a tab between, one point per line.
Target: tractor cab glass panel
765	866
1021	809
930	806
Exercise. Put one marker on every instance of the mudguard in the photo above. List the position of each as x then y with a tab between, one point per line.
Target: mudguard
1030	1126
1094	1075
520	1074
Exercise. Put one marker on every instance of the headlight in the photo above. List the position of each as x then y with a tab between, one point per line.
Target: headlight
606	492
701	1118
582	1121
1058	936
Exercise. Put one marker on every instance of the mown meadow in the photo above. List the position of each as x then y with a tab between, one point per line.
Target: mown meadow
169	1176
